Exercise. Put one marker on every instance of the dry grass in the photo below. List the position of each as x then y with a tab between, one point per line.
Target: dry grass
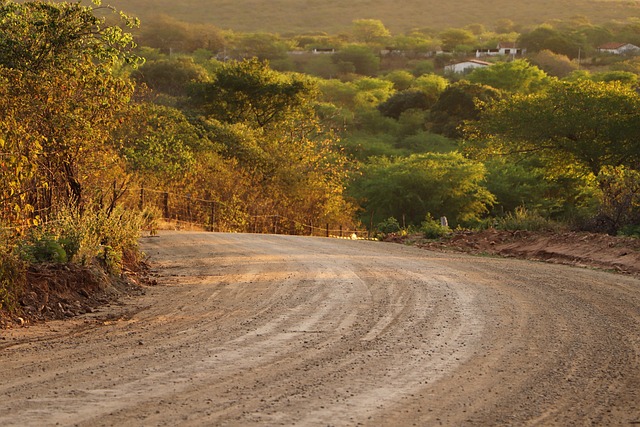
334	16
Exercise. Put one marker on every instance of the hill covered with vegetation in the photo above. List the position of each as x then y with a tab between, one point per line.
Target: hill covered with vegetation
333	16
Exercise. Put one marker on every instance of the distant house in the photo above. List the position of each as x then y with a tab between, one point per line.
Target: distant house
618	48
503	48
323	51
465	67
391	51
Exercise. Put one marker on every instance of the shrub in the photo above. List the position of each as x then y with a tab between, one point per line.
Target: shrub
433	229
38	248
523	219
388	226
630	231
97	234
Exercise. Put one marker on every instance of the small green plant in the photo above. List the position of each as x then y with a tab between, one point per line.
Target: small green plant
41	248
388	226
630	231
433	229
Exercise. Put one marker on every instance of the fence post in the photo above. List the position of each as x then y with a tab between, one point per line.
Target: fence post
327	229
213	217
141	197
165	205
341	230
275	224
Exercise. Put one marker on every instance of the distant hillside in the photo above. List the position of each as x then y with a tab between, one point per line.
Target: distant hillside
334	16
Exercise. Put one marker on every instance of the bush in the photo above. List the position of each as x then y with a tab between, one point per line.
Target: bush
37	249
522	219
433	229
388	226
630	231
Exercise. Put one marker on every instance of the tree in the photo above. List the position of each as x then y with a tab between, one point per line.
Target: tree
358	59
171	36
250	92
158	143
554	64
454	37
401	79
431	85
515	76
546	37
402	101
624	77
583	123
170	76
369	31
620	204
459	102
265	47
60	99
411	187
268	129
36	36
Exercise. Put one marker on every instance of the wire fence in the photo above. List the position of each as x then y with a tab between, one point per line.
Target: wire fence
182	210
214	215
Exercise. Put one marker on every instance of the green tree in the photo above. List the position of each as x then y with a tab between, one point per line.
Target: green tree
267	126
432	85
403	101
515	76
546	37
173	36
624	77
250	92
459	102
358	59
411	187
401	79
585	123
158	144
263	46
454	37
369	31
170	76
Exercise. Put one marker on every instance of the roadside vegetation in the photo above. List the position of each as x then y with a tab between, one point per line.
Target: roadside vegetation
362	130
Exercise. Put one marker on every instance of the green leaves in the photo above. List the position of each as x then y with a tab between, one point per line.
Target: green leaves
35	36
250	92
410	187
593	124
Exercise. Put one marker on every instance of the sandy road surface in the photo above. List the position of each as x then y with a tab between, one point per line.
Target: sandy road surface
282	330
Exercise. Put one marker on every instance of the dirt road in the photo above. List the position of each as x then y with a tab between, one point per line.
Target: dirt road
284	330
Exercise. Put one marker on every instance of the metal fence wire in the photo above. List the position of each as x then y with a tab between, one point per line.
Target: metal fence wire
214	215
182	210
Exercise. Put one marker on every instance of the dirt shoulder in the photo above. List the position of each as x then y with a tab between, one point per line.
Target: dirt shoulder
601	251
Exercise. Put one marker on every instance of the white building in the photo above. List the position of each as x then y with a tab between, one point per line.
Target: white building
465	67
619	48
503	48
